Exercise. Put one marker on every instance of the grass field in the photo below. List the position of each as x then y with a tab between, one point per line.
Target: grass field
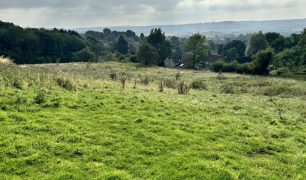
73	121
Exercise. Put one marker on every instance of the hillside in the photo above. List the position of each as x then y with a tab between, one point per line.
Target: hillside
71	121
285	27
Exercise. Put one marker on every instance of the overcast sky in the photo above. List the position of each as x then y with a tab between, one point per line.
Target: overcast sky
95	13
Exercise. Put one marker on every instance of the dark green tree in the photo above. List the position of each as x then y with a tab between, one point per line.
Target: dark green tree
147	55
262	61
158	40
271	36
84	55
256	43
142	37
234	49
196	44
122	45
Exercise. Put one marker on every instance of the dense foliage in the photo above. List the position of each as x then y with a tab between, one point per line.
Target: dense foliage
40	45
272	54
242	54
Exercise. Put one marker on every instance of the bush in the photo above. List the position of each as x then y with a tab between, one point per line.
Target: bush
245	68
18	84
145	81
170	83
183	88
281	71
123	79
113	75
40	98
283	90
147	55
84	55
161	86
228	89
133	59
221	66
199	85
178	76
217	66
262	61
3	117
65	83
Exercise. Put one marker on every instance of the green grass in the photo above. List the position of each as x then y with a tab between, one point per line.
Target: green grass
237	127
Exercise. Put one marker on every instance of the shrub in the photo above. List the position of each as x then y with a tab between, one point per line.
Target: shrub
40	97
245	68
123	80
65	83
18	84
183	88
178	76
281	71
56	103
3	117
170	83
133	59
220	76
199	85
145	81
113	76
217	66
147	55
228	89
283	90
161	86
262	60
84	55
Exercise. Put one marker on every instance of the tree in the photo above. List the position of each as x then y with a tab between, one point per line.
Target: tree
262	61
256	43
122	45
158	40
277	41
196	45
291	58
302	39
177	52
234	49
147	55
107	31
279	44
142	37
271	36
84	55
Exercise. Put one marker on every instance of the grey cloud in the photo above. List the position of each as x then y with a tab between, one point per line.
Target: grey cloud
72	13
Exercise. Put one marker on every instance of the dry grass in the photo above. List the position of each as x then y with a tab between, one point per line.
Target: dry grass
5	61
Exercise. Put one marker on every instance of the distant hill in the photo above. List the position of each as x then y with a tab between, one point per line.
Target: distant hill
284	27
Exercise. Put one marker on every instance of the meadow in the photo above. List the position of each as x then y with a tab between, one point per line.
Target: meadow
120	121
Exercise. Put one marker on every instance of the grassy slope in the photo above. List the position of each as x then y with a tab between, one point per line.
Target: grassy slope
241	127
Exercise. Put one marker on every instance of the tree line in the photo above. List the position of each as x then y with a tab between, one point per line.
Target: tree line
271	53
259	53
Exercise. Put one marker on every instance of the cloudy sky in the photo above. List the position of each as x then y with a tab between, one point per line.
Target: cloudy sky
94	13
